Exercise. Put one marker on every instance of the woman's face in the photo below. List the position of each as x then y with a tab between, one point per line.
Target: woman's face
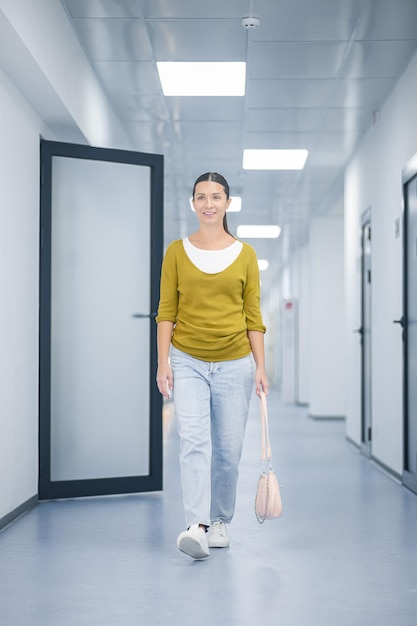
210	202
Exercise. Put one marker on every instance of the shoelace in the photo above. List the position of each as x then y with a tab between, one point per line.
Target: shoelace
219	527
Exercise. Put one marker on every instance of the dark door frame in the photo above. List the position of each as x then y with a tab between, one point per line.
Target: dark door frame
409	478
130	484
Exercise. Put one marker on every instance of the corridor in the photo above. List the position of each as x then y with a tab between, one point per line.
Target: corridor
343	554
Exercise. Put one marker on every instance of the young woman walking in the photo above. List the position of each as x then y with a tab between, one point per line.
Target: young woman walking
210	355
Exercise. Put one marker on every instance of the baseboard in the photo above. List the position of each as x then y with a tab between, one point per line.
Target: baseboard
18	512
379	465
326	417
410	481
353	443
386	470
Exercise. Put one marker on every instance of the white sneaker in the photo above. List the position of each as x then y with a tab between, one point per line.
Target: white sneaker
217	536
194	542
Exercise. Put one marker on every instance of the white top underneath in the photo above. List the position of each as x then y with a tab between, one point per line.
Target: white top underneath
212	261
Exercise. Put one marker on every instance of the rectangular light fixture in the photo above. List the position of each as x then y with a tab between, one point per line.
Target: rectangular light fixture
258	231
263	264
202	79
274	159
235	205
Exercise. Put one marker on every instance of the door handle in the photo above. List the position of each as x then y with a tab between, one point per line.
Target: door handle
142	315
400	321
359	330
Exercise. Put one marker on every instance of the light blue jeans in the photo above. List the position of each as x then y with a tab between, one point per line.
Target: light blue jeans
211	404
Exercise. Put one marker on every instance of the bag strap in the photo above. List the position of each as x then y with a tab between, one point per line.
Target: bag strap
266	444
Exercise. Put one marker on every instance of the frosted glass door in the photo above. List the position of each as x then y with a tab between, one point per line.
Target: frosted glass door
101	323
411	335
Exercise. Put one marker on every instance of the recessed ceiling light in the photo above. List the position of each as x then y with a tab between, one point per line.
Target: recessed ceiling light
235	205
274	159
263	264
258	231
202	79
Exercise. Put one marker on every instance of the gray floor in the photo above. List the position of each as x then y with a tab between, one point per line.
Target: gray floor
344	552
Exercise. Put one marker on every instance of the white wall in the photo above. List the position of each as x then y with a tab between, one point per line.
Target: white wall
19	277
270	304
314	281
295	383
353	306
327	376
41	63
302	295
373	180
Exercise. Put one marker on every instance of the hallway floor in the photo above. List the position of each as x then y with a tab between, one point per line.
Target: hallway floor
344	552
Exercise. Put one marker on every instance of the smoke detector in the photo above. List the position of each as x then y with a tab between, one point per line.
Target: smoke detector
250	22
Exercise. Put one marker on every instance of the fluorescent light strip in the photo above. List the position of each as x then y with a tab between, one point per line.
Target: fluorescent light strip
258	231
235	205
263	264
202	79
274	159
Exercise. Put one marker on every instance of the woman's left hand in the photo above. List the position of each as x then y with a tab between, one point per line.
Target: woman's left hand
261	382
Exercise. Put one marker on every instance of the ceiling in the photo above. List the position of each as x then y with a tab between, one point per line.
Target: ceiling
318	72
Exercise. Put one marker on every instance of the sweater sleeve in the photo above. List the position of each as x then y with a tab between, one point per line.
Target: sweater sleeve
168	300
252	296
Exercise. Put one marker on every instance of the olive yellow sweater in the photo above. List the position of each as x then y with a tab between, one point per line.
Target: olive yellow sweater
211	312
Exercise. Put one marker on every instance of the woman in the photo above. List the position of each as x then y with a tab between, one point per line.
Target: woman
210	337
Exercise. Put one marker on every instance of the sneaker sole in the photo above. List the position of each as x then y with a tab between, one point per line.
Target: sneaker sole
192	548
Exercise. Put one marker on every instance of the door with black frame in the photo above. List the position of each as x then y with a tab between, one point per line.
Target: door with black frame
409	323
366	335
101	249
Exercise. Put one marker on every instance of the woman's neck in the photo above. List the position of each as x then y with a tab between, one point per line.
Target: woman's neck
211	239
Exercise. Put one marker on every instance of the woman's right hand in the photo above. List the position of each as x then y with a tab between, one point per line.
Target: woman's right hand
165	380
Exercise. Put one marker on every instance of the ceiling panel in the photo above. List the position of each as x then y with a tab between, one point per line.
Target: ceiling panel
306	20
145	132
205	109
272	60
230	156
137	108
214	133
388	19
282	120
115	40
367	93
334	148
261	94
128	77
190	9
103	8
368	59
282	141
345	120
185	40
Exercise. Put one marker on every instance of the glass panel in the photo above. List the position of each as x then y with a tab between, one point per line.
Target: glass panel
411	461
99	351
